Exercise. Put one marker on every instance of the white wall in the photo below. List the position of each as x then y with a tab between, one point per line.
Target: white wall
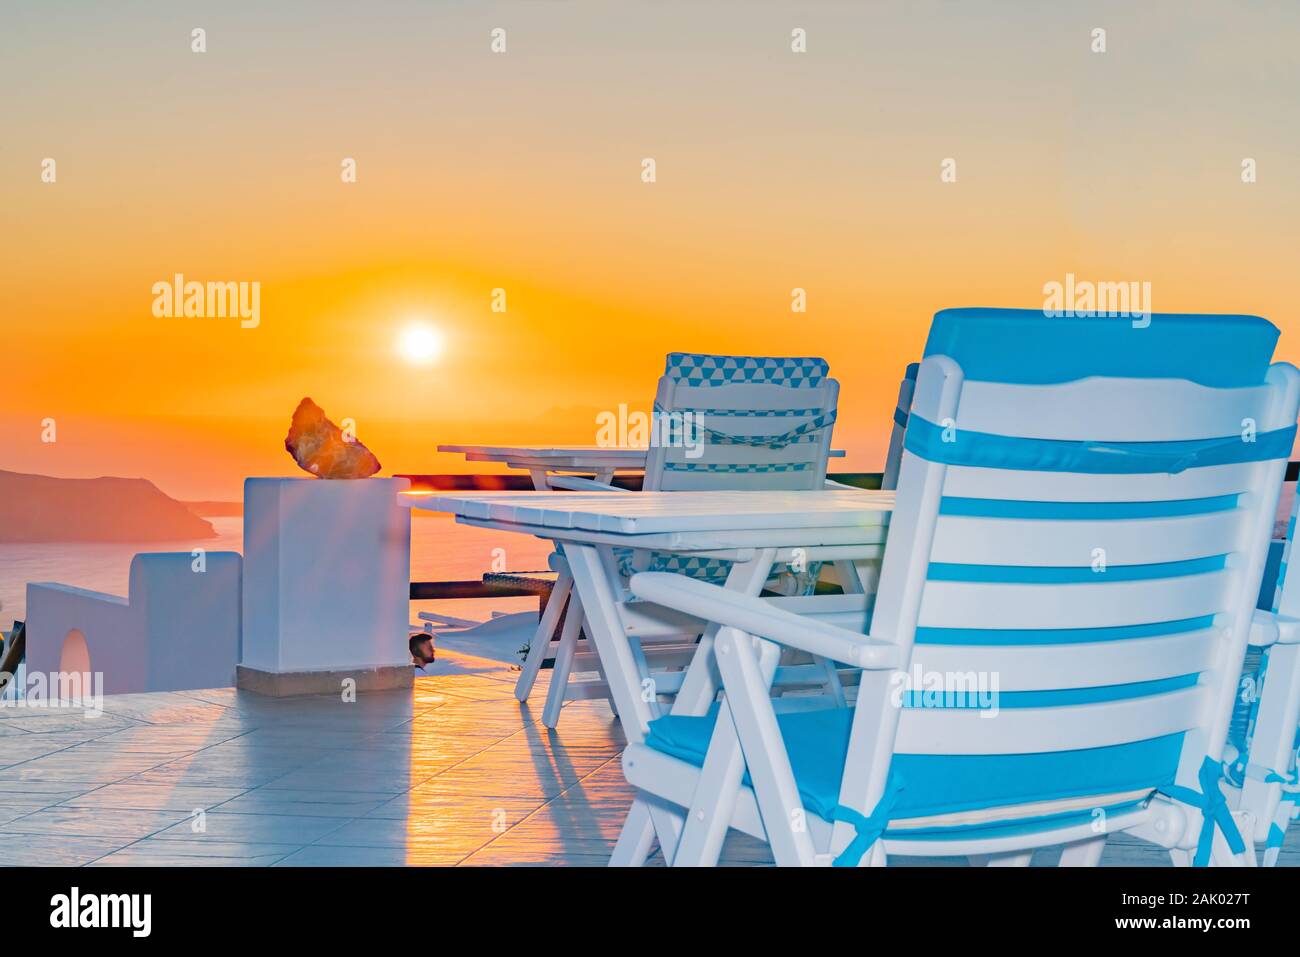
177	629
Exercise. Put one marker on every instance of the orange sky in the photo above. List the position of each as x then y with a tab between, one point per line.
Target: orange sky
521	171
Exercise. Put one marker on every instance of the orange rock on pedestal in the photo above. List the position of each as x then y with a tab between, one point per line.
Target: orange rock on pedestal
319	446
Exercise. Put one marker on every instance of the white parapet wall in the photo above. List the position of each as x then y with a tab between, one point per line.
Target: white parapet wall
177	629
327	577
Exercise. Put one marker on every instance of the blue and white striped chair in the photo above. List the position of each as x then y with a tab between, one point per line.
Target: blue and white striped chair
1082	522
720	422
1263	738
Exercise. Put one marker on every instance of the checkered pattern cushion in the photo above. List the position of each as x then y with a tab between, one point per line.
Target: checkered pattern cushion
714	571
737	469
705	370
672	424
711	570
752	413
697	369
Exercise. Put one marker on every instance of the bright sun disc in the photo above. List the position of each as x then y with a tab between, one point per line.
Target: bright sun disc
420	344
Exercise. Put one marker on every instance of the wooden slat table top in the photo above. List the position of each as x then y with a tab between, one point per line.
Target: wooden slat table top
643	513
568	457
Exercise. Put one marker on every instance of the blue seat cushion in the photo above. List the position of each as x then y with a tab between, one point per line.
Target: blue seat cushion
1025	347
817	742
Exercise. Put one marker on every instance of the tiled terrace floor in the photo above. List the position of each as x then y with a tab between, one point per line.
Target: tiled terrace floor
455	772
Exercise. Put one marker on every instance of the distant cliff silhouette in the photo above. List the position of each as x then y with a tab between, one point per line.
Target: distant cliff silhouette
38	508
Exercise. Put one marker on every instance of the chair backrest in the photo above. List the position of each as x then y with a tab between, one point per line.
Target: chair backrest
1274	595
894	455
741	422
1082	519
1263	748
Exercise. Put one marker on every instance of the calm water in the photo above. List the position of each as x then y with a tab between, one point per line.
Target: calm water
441	550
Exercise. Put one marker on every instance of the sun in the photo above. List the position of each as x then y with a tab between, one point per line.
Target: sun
420	344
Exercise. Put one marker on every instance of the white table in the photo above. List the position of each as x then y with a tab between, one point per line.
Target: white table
753	529
540	461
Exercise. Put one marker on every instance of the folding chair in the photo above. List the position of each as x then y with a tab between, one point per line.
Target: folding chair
1264	737
720	422
1067	592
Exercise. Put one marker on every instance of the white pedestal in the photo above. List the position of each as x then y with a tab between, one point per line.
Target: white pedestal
327	573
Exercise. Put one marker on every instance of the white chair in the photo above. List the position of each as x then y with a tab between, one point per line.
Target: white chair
863	580
1062	616
720	422
1263	738
894	457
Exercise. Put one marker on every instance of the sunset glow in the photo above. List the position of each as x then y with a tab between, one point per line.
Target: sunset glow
420	344
775	172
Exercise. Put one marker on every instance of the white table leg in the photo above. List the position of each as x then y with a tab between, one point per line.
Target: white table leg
847	573
555	695
541	642
591	580
605	628
855	579
601	671
707	822
868	572
832	684
701	684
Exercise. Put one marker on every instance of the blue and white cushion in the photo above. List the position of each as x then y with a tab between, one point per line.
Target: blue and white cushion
706	370
699	369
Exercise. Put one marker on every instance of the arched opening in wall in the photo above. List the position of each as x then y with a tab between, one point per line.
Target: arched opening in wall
74	678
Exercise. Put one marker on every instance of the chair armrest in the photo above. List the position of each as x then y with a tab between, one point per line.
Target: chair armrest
1269	628
1288	630
576	484
1263	629
758	617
